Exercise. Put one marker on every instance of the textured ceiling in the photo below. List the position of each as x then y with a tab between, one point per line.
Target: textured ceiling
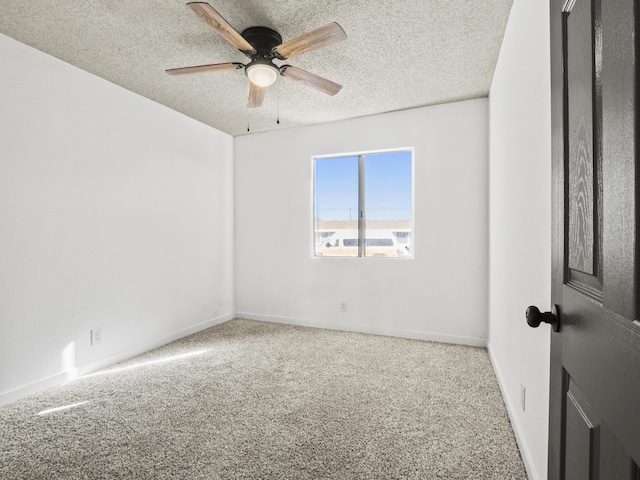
399	54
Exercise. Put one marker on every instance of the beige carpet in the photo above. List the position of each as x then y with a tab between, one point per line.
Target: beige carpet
253	400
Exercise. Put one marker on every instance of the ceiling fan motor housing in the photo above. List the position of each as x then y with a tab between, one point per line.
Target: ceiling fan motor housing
264	40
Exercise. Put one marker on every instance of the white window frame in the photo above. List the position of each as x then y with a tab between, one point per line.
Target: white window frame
362	221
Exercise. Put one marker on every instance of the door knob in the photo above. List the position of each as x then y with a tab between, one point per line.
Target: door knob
535	317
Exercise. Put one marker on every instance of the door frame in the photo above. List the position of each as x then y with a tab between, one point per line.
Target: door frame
556	380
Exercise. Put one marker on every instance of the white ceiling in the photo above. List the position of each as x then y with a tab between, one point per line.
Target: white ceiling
398	54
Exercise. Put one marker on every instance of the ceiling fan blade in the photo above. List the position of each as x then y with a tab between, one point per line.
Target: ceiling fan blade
318	38
256	95
215	67
220	25
310	79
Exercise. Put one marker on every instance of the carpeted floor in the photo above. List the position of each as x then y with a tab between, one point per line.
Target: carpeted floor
254	400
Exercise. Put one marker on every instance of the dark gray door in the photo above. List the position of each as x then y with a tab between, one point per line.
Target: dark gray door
595	359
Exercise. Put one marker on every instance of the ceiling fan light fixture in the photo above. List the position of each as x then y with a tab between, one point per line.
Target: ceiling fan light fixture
262	73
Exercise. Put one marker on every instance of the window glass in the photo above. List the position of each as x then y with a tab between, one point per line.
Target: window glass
336	206
388	203
363	205
379	242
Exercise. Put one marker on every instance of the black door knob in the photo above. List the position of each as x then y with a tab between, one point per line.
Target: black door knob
535	317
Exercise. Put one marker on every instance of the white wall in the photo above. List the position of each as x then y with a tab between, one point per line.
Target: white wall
115	212
520	224
441	294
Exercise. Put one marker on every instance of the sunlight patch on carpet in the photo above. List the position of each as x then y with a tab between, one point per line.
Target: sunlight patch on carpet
146	364
59	409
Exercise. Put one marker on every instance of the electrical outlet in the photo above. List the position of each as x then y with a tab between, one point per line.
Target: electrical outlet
96	336
344	307
523	396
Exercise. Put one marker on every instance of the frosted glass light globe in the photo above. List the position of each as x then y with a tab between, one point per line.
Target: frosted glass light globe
262	74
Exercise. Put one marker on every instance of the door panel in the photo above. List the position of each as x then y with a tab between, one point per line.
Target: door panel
594	429
600	353
616	465
583	78
619	159
580	125
582	431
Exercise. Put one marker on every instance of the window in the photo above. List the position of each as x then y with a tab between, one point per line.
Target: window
363	205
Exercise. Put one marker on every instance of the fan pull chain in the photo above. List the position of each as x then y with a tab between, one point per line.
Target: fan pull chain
278	108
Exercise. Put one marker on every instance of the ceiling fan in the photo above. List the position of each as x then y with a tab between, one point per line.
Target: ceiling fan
263	45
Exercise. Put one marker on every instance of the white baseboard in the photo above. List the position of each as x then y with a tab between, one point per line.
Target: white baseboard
359	328
517	428
64	377
32	388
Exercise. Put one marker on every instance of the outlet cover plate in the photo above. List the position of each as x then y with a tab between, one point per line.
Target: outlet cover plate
96	336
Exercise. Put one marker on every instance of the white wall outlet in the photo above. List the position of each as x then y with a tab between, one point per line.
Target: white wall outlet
96	336
344	307
523	396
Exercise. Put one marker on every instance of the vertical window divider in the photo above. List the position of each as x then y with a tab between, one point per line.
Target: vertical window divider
362	222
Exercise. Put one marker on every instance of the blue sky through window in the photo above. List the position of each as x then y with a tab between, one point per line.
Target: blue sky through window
388	182
337	188
388	186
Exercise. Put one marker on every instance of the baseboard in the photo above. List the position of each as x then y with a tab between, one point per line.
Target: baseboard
32	388
517	428
64	377
359	328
